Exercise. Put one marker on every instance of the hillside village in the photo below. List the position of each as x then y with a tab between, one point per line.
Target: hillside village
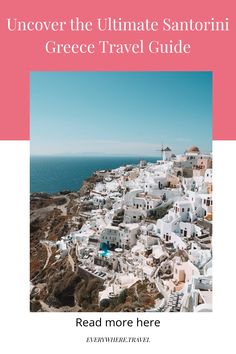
143	226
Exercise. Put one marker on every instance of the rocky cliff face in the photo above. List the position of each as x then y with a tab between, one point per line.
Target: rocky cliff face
50	219
56	284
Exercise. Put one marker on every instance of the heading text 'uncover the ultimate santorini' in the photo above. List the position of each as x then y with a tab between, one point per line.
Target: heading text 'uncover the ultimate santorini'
119	25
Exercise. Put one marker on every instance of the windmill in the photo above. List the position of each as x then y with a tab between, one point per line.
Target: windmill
161	150
165	152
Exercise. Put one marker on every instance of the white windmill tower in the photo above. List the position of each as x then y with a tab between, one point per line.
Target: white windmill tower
166	153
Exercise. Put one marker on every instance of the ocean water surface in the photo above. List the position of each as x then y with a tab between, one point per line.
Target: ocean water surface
54	174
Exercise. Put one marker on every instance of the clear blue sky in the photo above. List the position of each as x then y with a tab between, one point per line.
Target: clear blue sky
122	113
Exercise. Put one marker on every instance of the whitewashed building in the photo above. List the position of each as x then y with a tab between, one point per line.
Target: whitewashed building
122	236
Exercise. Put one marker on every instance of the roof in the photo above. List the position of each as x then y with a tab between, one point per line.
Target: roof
111	227
194	149
167	149
131	226
157	251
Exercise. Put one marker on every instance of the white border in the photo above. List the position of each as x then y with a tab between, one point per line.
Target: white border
56	332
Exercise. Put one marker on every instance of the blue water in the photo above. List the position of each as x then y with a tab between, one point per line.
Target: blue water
104	249
54	174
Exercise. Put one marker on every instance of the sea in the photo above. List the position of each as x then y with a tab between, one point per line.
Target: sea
52	174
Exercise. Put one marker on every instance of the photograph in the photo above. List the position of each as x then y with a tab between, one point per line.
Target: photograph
121	191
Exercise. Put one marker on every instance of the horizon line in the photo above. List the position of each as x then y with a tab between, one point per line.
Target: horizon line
91	155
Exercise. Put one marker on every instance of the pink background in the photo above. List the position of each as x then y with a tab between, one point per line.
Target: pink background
22	52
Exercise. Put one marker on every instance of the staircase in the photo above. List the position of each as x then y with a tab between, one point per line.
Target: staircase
118	219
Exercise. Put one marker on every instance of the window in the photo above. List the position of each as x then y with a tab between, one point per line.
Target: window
182	210
188	209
